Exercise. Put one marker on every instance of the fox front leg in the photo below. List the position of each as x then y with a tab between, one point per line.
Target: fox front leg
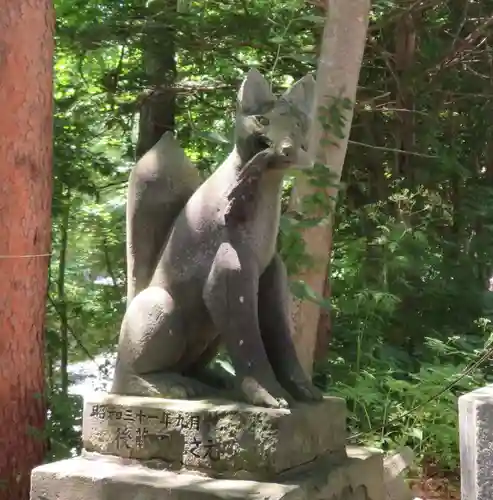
230	295
275	325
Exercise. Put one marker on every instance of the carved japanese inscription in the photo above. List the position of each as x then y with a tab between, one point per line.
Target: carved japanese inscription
136	428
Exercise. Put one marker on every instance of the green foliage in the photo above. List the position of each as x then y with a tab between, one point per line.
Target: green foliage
413	233
407	320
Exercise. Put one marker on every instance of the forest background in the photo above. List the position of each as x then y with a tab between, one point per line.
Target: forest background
410	307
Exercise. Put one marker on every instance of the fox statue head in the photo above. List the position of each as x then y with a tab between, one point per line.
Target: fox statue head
264	121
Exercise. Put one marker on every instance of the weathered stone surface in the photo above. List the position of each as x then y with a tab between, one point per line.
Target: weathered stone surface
395	486
225	439
476	444
99	477
359	476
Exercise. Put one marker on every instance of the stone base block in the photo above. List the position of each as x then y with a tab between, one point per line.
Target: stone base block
97	477
223	439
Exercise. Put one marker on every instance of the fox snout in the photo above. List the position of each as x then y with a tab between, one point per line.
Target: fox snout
293	156
286	148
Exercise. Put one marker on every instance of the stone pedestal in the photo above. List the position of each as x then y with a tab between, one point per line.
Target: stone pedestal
225	439
147	448
476	444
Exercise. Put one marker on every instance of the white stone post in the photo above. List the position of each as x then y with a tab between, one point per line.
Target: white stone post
476	444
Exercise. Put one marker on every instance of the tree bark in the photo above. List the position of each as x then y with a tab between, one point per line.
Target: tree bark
26	53
338	70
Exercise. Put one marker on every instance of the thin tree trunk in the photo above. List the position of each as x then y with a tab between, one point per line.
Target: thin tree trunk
337	76
26	60
62	301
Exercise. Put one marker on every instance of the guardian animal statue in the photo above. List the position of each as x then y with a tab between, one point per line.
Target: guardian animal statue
203	267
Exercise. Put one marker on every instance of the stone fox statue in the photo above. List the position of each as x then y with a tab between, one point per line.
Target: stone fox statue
217	278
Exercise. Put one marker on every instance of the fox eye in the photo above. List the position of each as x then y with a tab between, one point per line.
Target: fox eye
263	121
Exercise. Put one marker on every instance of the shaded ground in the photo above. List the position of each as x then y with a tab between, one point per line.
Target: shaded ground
434	485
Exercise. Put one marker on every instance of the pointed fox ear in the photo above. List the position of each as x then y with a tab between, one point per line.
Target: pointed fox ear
255	95
302	94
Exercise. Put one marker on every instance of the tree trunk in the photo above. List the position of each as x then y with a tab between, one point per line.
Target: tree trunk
26	52
338	70
157	111
405	52
324	326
